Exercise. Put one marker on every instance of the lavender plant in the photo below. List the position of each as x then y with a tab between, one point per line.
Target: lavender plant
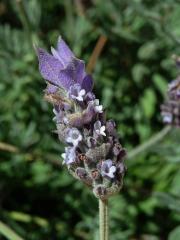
93	153
170	110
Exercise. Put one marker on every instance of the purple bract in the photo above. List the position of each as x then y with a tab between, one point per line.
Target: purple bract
62	68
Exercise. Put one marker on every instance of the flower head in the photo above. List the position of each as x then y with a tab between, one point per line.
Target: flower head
90	139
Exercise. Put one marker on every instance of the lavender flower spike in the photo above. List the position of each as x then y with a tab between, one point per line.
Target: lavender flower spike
93	153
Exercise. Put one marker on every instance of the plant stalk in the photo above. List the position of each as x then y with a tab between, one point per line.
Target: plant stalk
103	219
150	142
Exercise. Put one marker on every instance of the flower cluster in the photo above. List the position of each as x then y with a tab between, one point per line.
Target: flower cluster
93	153
170	110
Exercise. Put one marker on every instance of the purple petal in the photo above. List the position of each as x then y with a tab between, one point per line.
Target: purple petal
87	83
49	66
75	91
64	51
72	74
88	115
108	163
110	127
97	125
90	97
66	56
69	155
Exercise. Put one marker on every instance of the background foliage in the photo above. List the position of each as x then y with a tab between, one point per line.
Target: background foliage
38	199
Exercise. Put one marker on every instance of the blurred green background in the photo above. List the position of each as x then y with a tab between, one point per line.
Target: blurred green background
39	200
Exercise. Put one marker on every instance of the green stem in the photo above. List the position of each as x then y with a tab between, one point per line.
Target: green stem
150	142
103	219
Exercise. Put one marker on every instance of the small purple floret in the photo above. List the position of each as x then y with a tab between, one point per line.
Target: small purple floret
167	118
95	103
73	136
59	115
108	169
99	129
75	92
110	127
90	97
69	156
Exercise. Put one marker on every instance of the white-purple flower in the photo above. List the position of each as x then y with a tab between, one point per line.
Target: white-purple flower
98	108
99	129
69	156
75	92
167	117
73	136
108	169
59	116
